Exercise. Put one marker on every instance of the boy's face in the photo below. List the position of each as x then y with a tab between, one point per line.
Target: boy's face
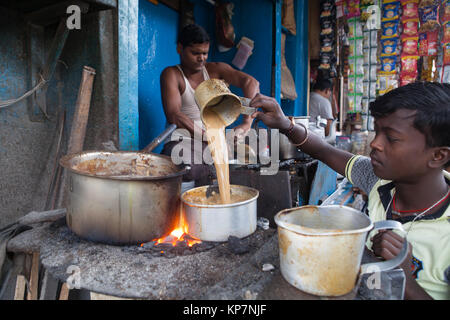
194	56
399	150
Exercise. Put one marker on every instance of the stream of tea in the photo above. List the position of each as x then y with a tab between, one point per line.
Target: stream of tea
215	134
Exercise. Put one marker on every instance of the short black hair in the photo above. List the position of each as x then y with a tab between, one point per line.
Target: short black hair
430	100
323	84
192	34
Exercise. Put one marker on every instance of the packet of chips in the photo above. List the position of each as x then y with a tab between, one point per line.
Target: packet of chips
410	9
428	43
353	8
423	44
410	27
386	83
389	29
446	11
409	66
356	65
354	28
446	49
410	46
407	79
356	46
390	11
429	14
433	43
388	64
446	32
354	102
389	46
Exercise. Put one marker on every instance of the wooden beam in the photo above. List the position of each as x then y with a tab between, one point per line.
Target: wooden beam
64	293
34	278
21	284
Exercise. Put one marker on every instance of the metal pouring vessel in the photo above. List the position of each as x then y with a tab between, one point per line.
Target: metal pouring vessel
214	94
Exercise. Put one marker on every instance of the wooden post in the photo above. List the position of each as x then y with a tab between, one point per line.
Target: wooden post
80	118
21	284
64	293
34	278
79	124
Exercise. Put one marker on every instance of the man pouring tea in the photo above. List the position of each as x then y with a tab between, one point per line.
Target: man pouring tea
178	84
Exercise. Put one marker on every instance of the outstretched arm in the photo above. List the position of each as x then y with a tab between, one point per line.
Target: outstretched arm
273	116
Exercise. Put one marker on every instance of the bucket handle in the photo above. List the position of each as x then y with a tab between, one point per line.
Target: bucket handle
392	263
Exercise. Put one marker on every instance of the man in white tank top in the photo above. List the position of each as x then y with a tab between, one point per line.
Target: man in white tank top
179	82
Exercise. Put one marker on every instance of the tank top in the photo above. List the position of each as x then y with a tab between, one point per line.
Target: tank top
188	104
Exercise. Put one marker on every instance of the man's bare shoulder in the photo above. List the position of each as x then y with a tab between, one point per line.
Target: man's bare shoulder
170	73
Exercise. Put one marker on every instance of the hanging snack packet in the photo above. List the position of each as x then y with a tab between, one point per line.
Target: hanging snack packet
410	28
446	33
353	9
409	66
429	15
373	90
423	44
356	65
407	79
355	84
446	49
446	11
326	43
433	43
326	26
389	46
356	46
388	64
354	28
390	11
386	83
373	72
389	29
365	105
410	9
339	9
410	46
428	72
370	56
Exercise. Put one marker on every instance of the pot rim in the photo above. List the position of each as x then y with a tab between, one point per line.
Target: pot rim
301	230
64	162
220	206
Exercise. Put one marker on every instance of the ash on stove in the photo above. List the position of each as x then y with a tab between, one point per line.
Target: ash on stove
167	250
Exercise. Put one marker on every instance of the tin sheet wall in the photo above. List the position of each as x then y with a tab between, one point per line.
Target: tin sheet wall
27	148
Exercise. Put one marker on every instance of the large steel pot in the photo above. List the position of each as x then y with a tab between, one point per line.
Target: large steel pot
216	222
122	197
321	248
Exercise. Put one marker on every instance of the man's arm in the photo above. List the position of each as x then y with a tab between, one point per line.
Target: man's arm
171	100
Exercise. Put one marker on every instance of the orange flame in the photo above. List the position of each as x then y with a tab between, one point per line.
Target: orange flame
179	233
